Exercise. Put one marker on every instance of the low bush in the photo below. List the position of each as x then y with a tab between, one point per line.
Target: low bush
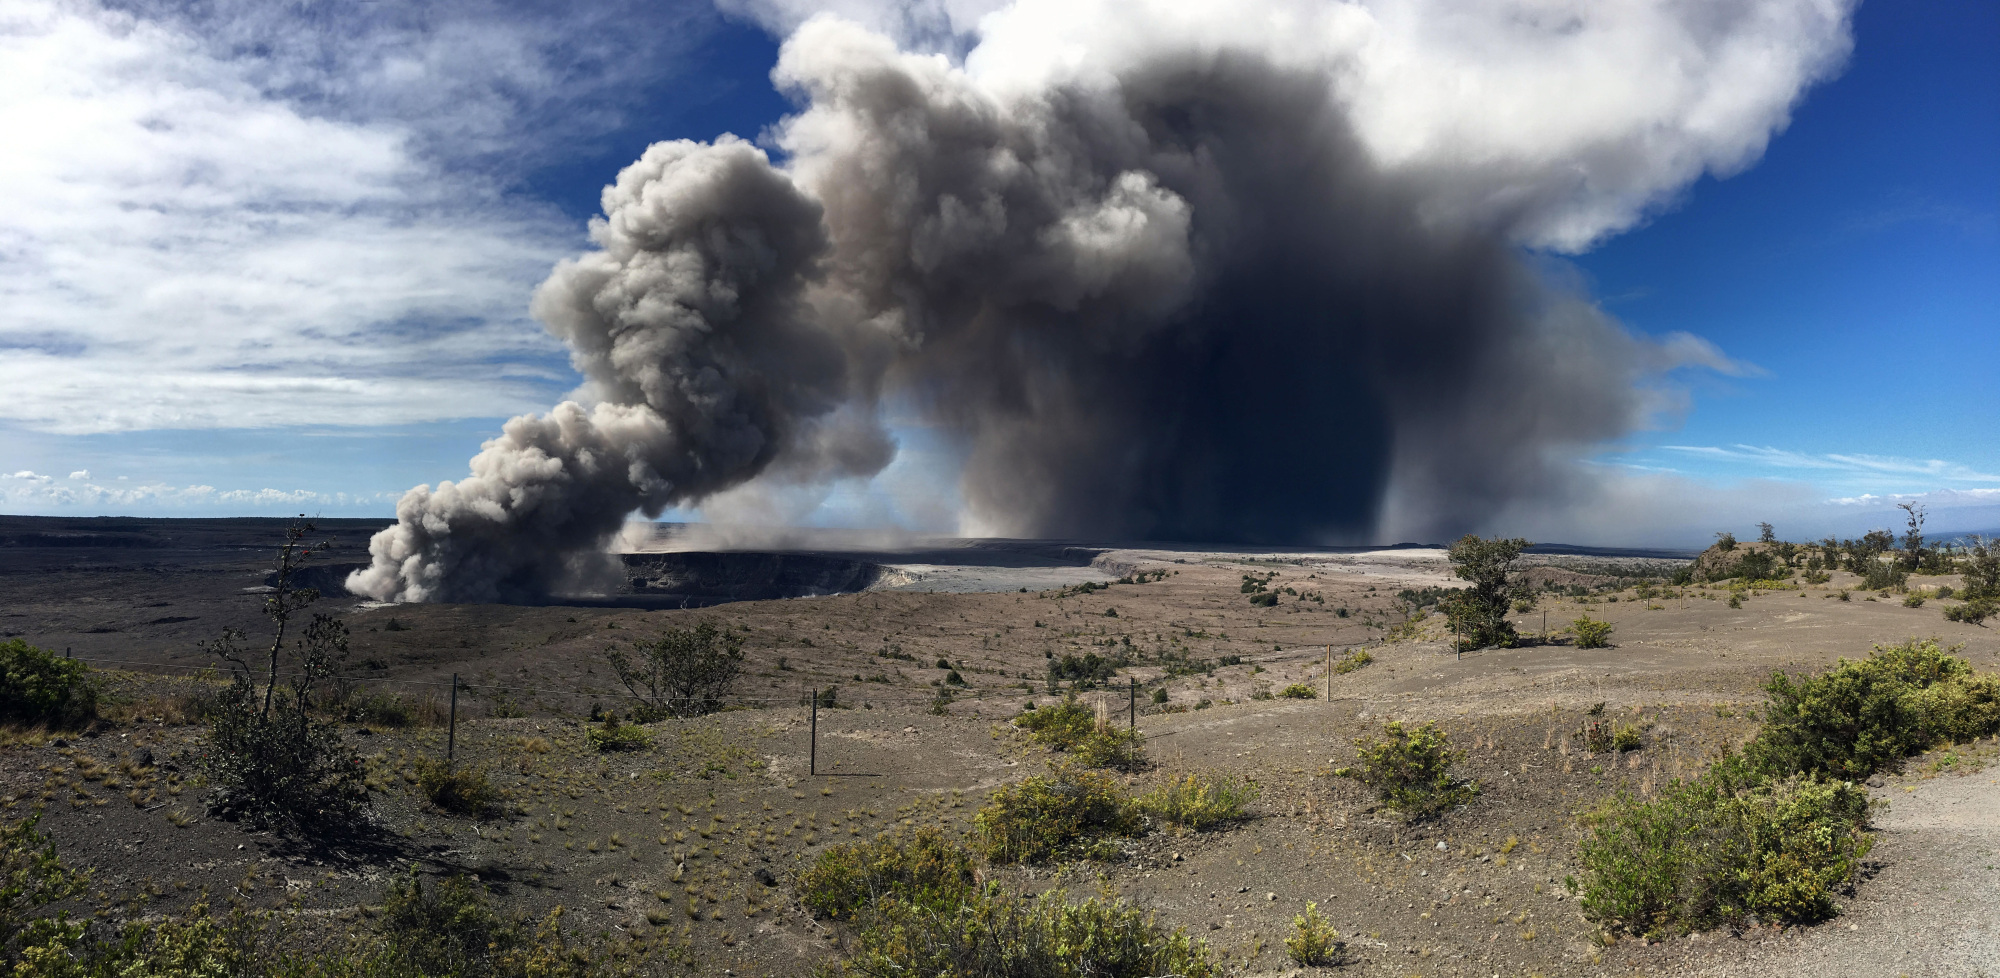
921	869
1626	738
1411	770
1112	748
612	735
32	877
1726	846
996	935
1160	696
1913	600
392	710
1268	599
1973	612
39	687
1315	941
1594	736
462	791
1070	813
1594	634
1298	691
281	768
1352	661
1774	833
441	931
1865	713
1199	802
1059	726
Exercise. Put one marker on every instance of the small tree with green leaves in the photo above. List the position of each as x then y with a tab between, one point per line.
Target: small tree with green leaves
684	672
1479	613
270	760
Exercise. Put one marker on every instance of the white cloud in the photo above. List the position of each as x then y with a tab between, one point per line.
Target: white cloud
266	216
80	474
1849	464
1563	120
41	494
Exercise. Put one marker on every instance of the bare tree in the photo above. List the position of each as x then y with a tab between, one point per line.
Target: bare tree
1766	533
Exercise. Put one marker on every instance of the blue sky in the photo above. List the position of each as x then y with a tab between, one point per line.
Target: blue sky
1858	264
365	225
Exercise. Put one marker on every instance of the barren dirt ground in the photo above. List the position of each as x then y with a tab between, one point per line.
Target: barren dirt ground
688	849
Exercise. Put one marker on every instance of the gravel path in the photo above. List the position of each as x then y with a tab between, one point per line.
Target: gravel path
1930	913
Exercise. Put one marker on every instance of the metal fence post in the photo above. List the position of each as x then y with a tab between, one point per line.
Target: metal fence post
451	739
1133	722
812	763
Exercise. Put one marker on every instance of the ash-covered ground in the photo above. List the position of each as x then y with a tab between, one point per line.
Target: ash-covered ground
714	801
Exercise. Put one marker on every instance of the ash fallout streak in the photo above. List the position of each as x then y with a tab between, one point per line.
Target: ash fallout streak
1183	294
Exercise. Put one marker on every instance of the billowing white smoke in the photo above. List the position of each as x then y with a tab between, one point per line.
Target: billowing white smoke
1167	270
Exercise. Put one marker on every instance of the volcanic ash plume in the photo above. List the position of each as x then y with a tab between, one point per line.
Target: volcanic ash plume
702	365
1178	273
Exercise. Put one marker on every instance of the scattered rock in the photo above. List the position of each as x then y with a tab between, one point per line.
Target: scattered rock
144	758
764	876
1270	896
59	743
1441	846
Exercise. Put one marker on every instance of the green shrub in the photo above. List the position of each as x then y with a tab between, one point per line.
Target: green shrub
1626	738
1068	813
1267	599
1594	634
38	686
442	931
1059	726
1199	801
1411	770
1729	845
281	768
392	710
1315	941
1973	612
464	790
1352	661
994	935
1913	600
32	877
612	735
1863	714
1113	748
1159	696
922	869
1299	691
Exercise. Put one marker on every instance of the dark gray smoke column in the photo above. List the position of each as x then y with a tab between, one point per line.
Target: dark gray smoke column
1196	289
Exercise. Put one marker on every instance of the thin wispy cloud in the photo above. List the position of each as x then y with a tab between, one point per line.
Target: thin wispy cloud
1851	463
